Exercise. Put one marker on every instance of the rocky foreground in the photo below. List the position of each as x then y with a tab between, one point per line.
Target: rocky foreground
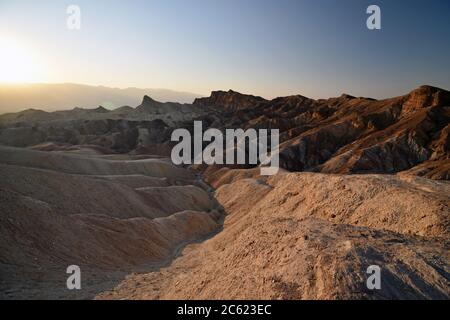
95	188
108	216
312	236
126	222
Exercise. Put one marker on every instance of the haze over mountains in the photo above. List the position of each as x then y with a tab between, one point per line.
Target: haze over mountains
51	97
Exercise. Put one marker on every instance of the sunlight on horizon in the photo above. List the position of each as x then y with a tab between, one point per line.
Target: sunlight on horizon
18	63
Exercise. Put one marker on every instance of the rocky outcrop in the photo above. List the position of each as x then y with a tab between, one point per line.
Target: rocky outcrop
356	135
230	100
345	134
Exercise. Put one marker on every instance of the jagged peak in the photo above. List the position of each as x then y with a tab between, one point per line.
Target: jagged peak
147	99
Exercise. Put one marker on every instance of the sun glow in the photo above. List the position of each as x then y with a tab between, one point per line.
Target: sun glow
18	64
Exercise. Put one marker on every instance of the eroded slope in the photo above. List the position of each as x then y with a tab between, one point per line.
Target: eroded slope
313	236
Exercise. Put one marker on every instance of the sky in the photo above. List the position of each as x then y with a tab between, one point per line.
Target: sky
317	48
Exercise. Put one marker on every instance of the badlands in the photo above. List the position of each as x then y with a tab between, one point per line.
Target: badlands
362	182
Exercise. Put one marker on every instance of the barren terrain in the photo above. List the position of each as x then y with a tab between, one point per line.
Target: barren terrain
312	236
363	182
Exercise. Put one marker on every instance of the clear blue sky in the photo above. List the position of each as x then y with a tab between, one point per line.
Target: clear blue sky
318	48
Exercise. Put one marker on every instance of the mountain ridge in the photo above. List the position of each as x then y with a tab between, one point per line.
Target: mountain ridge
55	96
344	134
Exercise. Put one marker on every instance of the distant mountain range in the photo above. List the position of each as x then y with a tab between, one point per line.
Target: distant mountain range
51	97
